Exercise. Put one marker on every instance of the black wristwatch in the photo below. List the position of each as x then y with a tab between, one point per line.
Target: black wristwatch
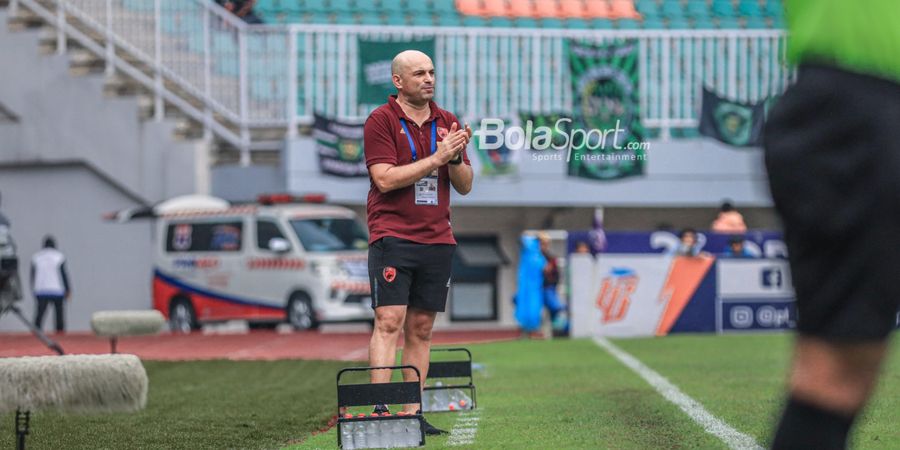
456	161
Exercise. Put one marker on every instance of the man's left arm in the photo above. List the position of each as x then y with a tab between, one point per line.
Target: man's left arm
461	174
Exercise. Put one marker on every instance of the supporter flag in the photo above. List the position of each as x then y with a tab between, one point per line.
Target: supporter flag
340	147
374	80
556	122
607	108
737	124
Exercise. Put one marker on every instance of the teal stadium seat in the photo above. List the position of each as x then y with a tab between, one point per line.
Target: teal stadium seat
371	19
750	8
418	7
474	21
757	23
366	6
723	8
392	5
501	22
449	20
552	23
679	24
341	7
318	18
672	10
729	23
648	8
345	18
445	7
313	6
526	22
697	9
422	20
296	7
778	22
628	24
602	24
774	8
574	24
653	24
704	23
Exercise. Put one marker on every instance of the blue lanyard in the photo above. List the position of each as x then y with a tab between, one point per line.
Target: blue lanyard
412	145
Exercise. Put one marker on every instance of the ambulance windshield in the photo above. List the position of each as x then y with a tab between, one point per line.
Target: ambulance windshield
331	234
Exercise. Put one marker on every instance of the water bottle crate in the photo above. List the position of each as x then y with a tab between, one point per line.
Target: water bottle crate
455	396
379	430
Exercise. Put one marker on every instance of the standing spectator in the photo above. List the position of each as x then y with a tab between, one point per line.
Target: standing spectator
729	220
688	245
241	8
49	282
551	278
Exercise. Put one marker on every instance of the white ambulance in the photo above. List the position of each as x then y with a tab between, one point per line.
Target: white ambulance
285	258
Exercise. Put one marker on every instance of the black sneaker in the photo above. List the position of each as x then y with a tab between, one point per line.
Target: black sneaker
431	430
380	409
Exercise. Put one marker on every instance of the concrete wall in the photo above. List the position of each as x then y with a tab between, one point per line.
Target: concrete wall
65	118
110	265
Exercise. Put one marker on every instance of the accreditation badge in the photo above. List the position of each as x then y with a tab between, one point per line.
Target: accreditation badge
427	190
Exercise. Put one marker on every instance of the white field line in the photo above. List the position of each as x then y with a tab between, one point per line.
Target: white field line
465	429
713	425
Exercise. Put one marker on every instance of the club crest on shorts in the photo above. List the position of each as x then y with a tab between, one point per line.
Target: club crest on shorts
389	273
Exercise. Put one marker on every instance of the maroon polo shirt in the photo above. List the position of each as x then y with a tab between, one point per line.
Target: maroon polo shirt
395	213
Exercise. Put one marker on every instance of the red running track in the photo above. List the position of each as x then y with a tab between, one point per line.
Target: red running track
254	345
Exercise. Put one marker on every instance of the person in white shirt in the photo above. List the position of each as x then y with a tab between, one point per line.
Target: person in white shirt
49	282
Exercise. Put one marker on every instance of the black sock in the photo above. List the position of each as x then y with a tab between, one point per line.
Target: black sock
807	426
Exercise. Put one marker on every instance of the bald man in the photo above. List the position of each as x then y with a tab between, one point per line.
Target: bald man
414	151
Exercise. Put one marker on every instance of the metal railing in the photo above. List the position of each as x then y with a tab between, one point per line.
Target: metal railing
233	78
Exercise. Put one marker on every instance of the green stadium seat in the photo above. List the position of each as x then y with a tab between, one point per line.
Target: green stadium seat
750	8
449	20
345	19
628	24
602	24
697	8
653	24
341	6
474	21
552	23
648	9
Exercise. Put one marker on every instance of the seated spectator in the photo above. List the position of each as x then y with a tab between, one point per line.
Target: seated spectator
729	220
689	246
241	8
736	248
582	247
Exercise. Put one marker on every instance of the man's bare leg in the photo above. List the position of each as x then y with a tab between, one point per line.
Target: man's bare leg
830	383
383	346
417	347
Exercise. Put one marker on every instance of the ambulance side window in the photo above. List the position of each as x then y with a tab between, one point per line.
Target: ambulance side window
224	236
266	230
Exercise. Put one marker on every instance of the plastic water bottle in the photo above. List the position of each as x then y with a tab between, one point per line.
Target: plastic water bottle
359	435
442	400
464	401
413	432
347	436
397	438
373	435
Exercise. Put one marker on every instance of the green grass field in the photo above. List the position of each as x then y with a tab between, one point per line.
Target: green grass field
532	394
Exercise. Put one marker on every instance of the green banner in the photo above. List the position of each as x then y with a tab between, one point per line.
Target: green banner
607	135
734	123
375	84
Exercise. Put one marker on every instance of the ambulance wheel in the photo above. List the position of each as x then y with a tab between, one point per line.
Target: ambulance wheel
182	318
300	312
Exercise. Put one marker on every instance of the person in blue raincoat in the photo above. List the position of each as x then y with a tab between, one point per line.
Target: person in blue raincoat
530	298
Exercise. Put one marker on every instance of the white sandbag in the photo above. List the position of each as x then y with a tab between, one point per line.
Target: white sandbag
127	323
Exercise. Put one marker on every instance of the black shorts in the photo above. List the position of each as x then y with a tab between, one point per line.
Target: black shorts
403	272
833	157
